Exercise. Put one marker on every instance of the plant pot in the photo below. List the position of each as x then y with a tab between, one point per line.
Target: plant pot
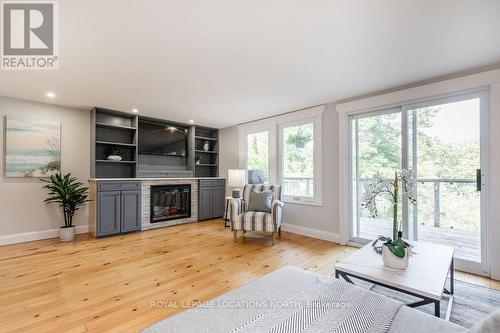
393	261
114	158
66	234
300	144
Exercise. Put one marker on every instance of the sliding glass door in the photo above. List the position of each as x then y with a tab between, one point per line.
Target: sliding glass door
376	153
440	141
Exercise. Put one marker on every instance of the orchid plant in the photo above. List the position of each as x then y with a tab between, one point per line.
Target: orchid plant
379	186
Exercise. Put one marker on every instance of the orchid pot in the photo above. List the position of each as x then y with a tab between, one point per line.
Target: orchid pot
393	261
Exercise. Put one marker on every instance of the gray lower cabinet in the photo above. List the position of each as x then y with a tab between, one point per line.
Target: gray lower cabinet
211	199
118	211
130	211
205	203
218	195
108	213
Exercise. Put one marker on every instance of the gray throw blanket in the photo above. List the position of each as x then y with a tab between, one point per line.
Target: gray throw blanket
331	306
288	300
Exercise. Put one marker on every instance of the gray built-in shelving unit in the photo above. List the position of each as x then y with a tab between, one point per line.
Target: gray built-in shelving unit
208	165
113	129
120	129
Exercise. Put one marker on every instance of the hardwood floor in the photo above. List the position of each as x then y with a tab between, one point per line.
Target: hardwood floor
125	283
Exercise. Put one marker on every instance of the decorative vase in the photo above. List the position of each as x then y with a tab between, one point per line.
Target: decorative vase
393	261
197	159
66	234
114	158
206	146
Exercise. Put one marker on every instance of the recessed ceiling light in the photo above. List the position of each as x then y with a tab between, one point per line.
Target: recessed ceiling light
50	95
135	110
191	121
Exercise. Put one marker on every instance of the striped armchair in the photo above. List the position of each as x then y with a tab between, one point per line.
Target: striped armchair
245	220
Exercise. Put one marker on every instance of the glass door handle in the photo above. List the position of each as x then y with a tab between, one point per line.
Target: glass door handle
478	180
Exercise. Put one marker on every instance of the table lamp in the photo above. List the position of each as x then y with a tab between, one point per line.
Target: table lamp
236	179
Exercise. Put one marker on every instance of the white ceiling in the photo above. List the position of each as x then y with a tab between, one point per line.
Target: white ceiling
224	62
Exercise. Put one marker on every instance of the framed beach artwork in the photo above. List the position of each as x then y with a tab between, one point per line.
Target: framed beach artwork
32	148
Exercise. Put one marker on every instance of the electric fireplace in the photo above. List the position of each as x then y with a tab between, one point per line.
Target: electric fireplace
170	202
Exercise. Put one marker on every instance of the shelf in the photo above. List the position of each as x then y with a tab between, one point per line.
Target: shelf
115	126
116	143
206	165
164	155
207	152
111	161
205	138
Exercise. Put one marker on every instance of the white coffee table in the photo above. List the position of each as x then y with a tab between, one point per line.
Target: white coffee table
424	278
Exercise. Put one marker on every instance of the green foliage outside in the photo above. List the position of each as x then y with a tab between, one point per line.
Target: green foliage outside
380	152
258	152
298	163
298	160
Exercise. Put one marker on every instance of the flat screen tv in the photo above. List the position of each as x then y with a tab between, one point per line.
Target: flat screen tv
162	139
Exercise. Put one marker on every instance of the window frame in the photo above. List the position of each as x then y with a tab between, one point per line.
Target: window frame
316	199
273	125
245	162
243	132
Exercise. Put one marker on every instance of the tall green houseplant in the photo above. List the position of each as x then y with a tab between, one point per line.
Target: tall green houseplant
68	192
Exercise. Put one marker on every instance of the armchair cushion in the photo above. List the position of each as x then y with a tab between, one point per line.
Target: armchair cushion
242	218
260	201
254	221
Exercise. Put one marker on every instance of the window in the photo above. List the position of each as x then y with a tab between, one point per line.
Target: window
258	158
300	161
285	150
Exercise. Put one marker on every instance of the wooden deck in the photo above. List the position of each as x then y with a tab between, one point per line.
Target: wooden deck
467	244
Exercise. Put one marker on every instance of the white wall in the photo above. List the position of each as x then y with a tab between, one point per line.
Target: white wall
21	199
228	151
316	221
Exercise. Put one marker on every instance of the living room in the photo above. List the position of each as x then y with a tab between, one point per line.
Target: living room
265	166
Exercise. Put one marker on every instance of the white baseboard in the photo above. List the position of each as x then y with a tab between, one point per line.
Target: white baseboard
37	235
309	232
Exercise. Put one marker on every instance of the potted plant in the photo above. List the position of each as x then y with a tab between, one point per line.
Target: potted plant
70	194
299	139
114	154
395	251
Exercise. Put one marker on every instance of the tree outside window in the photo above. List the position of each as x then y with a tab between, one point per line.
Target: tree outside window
298	160
258	157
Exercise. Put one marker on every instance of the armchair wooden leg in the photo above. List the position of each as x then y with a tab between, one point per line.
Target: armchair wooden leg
235	235
279	232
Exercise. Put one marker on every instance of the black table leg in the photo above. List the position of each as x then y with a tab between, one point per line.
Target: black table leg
452	276
424	300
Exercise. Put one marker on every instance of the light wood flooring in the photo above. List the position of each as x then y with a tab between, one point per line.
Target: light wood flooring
109	284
